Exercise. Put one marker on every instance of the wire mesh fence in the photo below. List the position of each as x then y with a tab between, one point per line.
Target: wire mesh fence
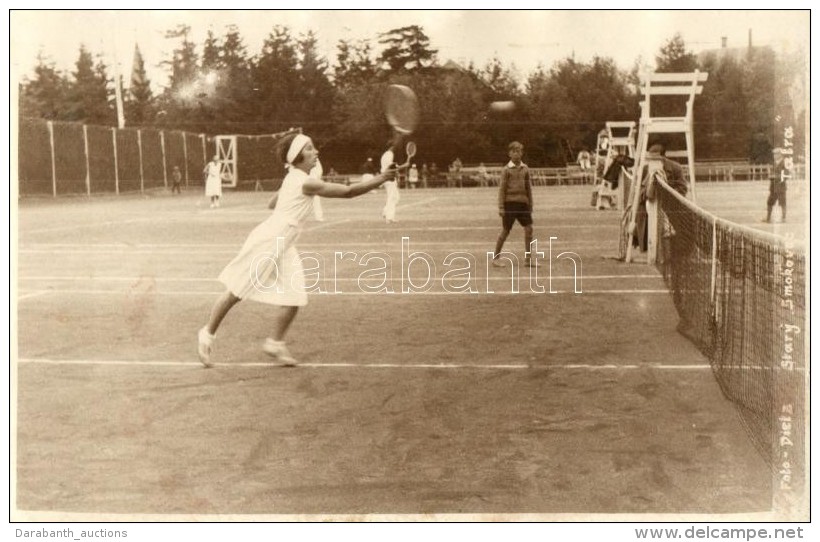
67	158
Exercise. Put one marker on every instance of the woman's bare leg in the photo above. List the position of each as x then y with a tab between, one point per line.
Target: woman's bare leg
220	309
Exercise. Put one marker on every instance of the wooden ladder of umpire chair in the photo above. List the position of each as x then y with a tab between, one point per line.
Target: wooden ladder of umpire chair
688	85
621	135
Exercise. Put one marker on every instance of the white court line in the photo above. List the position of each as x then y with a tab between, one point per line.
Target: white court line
90	225
33	294
502	366
357	294
417	203
339	279
135	252
326	225
392	245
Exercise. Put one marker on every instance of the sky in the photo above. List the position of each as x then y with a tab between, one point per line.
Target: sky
523	38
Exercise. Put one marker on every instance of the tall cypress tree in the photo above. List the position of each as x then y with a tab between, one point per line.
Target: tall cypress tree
406	48
275	80
45	95
178	101
674	57
354	63
140	97
316	91
88	95
233	86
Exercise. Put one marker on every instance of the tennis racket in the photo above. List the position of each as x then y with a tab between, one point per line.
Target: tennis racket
410	151
401	108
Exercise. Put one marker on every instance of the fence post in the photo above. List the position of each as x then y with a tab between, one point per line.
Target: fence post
204	152
139	144
87	166
116	163
185	154
53	163
164	168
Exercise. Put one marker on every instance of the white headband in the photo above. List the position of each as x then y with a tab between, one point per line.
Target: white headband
296	147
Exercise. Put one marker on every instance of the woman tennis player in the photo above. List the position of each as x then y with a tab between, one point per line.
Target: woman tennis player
268	268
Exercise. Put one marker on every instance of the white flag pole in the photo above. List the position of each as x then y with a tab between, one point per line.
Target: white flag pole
116	67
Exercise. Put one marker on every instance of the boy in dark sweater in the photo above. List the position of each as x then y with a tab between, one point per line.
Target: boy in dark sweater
514	201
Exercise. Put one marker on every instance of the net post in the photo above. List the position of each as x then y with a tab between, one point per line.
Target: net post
139	145
53	159
87	166
116	163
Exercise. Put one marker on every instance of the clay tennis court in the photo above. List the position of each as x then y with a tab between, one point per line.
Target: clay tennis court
490	402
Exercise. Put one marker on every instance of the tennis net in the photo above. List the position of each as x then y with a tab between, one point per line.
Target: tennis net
741	297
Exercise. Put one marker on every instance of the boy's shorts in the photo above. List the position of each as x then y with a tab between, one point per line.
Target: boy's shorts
516	210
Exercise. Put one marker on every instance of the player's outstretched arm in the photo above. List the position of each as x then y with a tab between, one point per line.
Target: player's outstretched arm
313	187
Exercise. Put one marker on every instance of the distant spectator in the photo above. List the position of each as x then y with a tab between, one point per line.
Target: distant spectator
176	176
483	176
455	170
213	181
584	160
777	186
603	143
413	176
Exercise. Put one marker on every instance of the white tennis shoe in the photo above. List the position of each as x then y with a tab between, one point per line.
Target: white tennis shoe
278	350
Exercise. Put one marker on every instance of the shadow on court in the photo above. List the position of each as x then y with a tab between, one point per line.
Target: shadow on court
420	403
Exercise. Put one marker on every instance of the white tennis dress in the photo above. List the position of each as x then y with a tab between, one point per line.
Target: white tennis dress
268	268
213	184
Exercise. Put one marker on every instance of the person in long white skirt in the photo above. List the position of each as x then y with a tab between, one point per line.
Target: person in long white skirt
268	268
213	181
391	187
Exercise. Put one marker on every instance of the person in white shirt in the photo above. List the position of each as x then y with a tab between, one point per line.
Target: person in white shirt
213	181
268	268
388	160
413	176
